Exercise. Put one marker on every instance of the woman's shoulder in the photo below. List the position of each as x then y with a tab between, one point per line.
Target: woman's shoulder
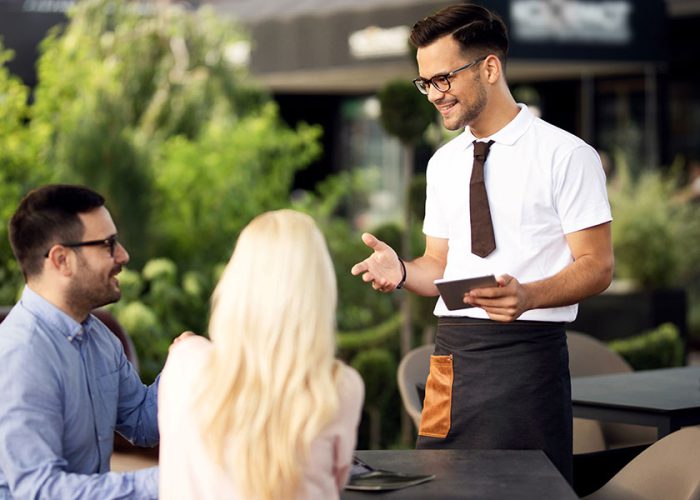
351	388
189	354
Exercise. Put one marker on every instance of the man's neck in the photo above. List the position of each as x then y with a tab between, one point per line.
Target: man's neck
56	298
497	114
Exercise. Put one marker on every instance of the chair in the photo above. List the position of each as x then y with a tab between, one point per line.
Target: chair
412	373
668	470
590	356
601	449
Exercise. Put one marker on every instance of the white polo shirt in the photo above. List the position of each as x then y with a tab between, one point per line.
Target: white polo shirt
542	183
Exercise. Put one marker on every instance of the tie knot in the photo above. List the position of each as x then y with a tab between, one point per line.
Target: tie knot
481	149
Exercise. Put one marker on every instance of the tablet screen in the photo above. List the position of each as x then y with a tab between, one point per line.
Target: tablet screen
452	291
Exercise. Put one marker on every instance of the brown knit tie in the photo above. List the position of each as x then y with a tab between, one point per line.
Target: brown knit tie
483	241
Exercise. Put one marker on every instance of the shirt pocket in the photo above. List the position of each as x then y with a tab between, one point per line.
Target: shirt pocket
437	408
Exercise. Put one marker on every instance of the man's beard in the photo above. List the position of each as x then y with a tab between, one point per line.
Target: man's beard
472	111
90	291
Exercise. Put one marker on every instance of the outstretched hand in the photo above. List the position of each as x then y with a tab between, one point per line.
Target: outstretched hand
382	268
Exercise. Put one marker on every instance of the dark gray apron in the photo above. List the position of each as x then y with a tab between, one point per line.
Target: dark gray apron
510	389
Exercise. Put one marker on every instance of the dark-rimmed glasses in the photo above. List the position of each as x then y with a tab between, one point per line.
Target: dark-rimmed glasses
110	242
441	83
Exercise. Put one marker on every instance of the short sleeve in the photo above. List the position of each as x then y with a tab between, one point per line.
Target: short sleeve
433	223
580	192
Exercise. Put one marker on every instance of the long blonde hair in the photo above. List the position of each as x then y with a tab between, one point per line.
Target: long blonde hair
270	386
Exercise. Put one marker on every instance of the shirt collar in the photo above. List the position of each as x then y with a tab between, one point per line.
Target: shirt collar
509	134
51	315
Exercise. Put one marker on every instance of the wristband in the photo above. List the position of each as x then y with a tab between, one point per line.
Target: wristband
403	275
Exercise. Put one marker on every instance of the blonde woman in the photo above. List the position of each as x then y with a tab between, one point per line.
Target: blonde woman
264	410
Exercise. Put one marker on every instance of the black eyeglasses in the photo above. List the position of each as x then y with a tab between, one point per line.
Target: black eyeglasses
110	242
441	83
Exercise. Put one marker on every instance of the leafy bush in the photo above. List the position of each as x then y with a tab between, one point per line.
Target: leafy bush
661	347
651	230
359	306
144	106
406	113
230	174
377	366
655	234
157	305
368	322
19	171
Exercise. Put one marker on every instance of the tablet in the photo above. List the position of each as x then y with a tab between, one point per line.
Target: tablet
452	291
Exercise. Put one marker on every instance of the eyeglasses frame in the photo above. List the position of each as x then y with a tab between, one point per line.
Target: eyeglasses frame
110	242
431	82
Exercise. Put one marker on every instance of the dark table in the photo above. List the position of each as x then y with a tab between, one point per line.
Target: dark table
470	474
667	399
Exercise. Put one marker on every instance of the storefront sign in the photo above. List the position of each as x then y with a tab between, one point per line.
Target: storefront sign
47	6
569	21
374	42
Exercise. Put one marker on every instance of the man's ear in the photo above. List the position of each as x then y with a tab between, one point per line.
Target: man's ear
61	260
493	69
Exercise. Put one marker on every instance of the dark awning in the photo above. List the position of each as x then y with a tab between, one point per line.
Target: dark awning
355	46
340	46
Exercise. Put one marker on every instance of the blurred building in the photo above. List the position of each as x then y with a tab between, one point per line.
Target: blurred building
622	74
23	23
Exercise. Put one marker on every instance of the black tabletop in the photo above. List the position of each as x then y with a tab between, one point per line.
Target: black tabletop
666	390
470	474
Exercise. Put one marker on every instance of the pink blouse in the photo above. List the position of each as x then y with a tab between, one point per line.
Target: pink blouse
188	472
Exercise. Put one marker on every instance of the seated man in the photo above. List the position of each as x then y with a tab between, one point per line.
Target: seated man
66	384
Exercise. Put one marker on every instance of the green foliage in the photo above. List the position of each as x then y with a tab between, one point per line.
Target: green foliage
131	285
406	113
230	174
160	270
19	170
368	322
357	340
359	306
157	305
143	326
378	369
144	106
651	231
661	347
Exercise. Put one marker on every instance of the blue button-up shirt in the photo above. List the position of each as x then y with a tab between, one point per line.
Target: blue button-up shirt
65	387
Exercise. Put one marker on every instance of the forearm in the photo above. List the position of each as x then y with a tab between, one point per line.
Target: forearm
587	276
33	466
421	273
139	485
137	418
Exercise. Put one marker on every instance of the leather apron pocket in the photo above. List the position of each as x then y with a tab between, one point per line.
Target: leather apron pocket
435	417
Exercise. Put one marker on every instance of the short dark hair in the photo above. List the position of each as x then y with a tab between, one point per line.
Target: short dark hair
46	216
474	27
